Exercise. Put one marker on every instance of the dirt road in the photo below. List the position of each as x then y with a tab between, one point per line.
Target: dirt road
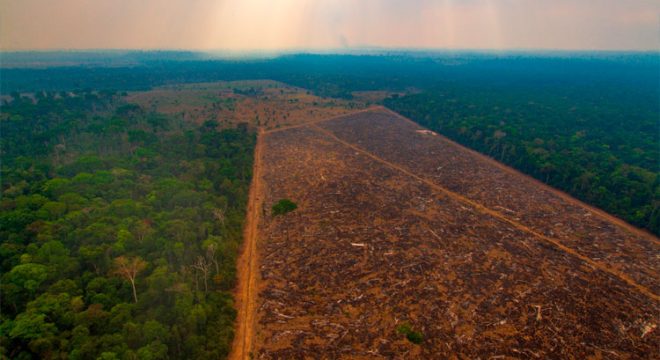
247	264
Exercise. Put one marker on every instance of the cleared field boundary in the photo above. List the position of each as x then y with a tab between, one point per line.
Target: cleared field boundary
247	264
481	208
372	108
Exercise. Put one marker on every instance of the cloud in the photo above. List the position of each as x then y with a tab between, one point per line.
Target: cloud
290	24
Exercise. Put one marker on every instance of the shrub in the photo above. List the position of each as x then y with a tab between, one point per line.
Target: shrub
413	336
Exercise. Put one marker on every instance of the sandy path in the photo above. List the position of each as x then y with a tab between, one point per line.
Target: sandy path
247	265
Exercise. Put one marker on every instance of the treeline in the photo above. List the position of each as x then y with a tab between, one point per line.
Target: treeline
119	230
326	75
600	143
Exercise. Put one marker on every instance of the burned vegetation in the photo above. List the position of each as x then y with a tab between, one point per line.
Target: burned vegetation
405	245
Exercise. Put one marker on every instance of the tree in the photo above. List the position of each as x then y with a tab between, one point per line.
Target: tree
128	268
32	329
211	255
283	206
28	276
203	266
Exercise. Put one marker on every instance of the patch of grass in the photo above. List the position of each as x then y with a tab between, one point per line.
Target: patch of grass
413	336
283	206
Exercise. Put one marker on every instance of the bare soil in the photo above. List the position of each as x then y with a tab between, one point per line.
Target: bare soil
247	264
396	225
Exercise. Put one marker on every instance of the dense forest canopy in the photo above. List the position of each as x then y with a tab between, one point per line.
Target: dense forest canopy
328	75
119	230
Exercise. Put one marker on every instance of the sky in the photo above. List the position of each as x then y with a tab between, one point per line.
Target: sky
244	25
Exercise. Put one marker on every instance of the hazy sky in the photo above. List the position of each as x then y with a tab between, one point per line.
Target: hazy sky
319	24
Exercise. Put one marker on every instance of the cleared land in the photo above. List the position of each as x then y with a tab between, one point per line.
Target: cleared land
265	104
399	225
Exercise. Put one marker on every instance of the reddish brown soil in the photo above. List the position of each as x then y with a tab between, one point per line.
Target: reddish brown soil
397	225
247	264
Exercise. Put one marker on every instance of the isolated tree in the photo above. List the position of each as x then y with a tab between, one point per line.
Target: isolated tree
284	206
128	268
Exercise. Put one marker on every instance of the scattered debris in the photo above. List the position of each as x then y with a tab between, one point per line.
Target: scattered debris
474	285
648	328
426	132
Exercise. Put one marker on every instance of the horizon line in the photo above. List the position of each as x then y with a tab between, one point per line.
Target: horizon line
333	50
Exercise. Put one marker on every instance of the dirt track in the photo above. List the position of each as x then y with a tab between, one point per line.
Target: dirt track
247	264
481	259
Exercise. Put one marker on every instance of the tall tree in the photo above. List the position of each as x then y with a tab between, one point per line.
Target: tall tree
128	268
